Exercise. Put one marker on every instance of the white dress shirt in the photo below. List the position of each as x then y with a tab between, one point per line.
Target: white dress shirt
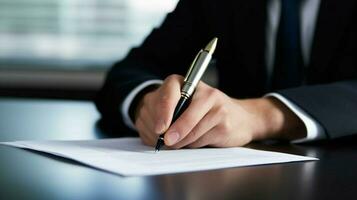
309	11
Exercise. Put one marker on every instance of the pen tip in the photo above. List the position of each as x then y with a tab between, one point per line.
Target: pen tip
211	46
159	143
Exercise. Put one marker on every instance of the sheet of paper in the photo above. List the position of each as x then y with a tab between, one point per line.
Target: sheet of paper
129	157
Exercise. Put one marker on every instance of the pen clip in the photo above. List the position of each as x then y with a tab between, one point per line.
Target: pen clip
192	65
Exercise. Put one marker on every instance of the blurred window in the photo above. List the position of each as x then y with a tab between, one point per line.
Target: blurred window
74	34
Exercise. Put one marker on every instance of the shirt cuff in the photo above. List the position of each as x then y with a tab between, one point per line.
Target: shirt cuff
314	129
124	108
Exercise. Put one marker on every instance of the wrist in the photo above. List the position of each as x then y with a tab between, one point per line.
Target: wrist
273	120
280	122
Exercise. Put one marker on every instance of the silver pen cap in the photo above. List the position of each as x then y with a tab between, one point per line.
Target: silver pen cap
197	68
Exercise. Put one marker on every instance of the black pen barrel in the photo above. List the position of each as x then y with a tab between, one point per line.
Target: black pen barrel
179	109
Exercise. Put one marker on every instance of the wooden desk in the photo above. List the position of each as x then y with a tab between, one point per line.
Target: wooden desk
29	175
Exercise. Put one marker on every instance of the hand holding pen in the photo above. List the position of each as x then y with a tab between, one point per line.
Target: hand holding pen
193	77
153	113
211	118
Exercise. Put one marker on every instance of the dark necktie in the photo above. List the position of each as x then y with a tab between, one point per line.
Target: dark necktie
288	63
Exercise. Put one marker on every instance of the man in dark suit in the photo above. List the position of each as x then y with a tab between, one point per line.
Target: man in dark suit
287	69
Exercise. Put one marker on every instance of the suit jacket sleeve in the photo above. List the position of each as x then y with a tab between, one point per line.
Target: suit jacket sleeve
334	104
167	50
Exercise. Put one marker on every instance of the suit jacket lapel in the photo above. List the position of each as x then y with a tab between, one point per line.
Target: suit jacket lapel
331	22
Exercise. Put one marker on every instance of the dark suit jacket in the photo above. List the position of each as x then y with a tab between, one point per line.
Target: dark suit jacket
330	93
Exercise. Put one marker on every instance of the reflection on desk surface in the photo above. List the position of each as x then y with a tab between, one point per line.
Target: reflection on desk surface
25	175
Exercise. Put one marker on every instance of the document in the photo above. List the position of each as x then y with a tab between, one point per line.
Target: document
129	157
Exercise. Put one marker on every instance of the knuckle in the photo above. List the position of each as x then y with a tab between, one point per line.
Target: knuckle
213	92
225	127
222	111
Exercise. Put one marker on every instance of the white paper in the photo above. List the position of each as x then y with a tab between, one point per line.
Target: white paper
129	157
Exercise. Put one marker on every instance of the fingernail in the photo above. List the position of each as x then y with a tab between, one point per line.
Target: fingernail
172	137
160	126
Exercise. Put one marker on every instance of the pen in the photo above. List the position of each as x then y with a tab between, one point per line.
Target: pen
192	78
